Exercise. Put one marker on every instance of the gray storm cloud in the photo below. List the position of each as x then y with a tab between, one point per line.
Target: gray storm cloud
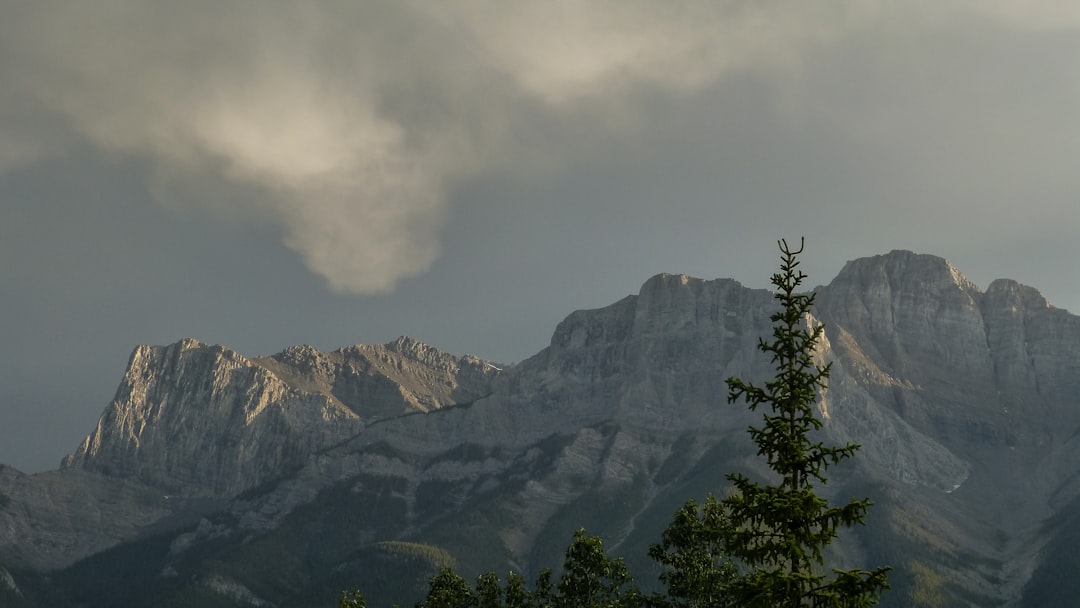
274	102
346	125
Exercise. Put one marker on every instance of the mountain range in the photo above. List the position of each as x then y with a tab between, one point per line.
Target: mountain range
214	479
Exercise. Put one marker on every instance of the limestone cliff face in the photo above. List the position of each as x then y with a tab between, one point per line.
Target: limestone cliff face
194	419
909	342
971	369
385	380
655	360
197	419
1034	346
911	314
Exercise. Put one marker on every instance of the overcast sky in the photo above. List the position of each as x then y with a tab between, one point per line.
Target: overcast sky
261	174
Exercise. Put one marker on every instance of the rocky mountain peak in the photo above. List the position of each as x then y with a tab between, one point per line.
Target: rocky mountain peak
918	316
909	309
205	420
1016	295
904	270
384	380
199	419
413	347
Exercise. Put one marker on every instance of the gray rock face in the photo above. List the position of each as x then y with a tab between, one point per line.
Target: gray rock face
656	360
195	420
912	314
383	381
969	369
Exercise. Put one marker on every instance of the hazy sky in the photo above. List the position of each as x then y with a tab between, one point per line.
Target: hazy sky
261	174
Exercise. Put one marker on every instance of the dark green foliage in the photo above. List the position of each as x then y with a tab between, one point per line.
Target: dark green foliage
436	556
591	578
597	510
517	596
125	575
488	592
780	531
352	599
448	590
33	590
697	570
543	594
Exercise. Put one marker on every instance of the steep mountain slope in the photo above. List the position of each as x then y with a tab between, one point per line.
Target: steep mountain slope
52	518
306	471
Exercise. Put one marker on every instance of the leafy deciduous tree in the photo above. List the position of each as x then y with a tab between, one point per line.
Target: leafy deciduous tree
448	590
697	568
489	593
352	599
517	596
591	579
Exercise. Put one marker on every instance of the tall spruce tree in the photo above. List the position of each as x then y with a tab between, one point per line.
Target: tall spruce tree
779	532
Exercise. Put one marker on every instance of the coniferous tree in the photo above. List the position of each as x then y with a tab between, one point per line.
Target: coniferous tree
779	531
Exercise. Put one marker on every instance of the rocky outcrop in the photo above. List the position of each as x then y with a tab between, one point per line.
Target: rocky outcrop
194	419
655	360
967	368
1034	346
386	380
913	315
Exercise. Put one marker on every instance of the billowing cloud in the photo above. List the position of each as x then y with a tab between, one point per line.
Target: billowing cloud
346	123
